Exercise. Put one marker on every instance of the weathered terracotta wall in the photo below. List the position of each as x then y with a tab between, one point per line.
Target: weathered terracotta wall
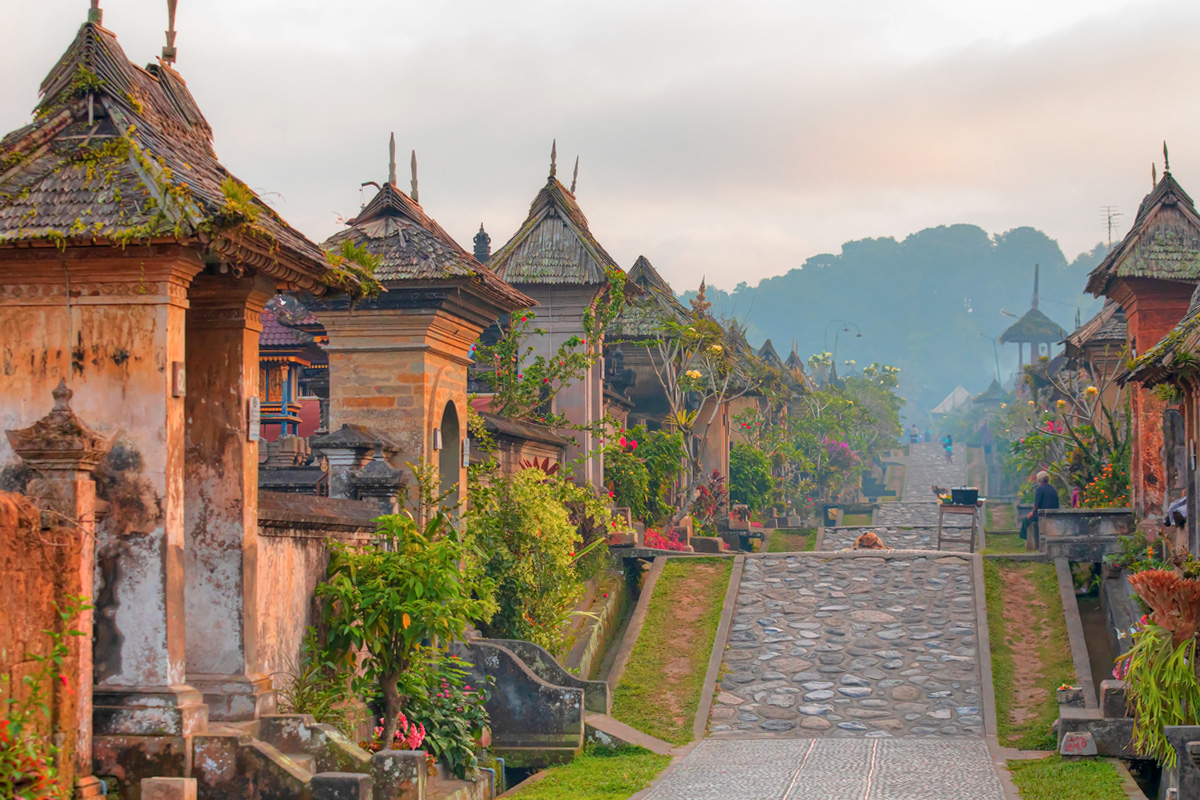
37	568
1152	309
295	533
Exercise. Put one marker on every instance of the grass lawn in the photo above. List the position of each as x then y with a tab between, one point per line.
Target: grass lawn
856	520
1004	543
999	517
599	774
1031	656
791	541
1054	778
660	690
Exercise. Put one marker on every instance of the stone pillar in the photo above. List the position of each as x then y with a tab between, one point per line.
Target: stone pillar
61	451
221	496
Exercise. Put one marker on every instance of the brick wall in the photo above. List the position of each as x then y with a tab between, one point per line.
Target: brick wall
36	570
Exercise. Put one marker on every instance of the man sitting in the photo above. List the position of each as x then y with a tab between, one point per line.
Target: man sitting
1045	496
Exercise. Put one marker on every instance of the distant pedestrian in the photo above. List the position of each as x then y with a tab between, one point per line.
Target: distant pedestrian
948	443
1045	496
914	435
928	436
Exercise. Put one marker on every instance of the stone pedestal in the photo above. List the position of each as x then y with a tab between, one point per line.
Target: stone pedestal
221	496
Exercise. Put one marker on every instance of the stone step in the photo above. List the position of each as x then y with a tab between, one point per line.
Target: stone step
304	761
606	730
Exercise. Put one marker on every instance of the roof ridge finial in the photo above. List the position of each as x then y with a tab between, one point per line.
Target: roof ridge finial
1037	268
1166	159
413	163
392	159
95	13
554	158
169	52
575	177
1153	174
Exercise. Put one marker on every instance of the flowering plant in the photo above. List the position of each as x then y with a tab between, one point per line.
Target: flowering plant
663	541
409	736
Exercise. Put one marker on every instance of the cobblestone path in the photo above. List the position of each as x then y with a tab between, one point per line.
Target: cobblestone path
906	538
852	646
833	769
853	676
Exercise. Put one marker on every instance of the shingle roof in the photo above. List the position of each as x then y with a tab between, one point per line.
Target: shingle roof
768	356
1034	326
119	154
1106	328
412	246
554	245
644	314
993	394
275	334
1163	243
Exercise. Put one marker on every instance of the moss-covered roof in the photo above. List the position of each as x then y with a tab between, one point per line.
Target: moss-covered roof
412	246
993	394
1162	243
654	303
554	245
119	155
1034	327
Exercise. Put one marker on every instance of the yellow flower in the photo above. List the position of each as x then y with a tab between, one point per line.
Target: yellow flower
716	348
693	373
1031	404
1061	404
1004	405
1091	391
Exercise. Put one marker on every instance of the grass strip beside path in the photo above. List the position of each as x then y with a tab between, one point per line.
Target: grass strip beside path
660	689
1054	778
1004	543
791	541
856	520
599	774
1031	655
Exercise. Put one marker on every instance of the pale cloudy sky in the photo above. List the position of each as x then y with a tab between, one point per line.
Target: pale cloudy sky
731	139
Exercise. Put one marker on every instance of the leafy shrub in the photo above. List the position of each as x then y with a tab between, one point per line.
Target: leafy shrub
319	686
528	543
381	602
750	480
627	477
710	499
450	709
664	541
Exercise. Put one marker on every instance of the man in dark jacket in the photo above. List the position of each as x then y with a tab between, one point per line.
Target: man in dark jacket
1045	496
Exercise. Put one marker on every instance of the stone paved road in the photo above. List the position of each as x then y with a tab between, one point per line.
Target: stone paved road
831	769
852	646
898	538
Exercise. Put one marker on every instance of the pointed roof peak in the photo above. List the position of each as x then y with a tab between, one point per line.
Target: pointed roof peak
392	159
553	158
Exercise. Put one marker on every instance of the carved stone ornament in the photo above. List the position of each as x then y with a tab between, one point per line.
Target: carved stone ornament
59	440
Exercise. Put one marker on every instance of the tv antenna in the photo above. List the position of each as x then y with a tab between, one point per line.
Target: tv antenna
1110	214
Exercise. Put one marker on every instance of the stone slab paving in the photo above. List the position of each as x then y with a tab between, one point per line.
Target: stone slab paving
832	769
851	647
898	538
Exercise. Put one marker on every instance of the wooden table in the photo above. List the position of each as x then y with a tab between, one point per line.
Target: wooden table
944	509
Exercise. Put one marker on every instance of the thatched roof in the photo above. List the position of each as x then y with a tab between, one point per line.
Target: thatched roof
1163	243
554	245
120	155
413	247
993	394
1033	327
645	312
768	356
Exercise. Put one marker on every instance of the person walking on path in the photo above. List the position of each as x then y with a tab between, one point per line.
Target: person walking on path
1045	496
948	443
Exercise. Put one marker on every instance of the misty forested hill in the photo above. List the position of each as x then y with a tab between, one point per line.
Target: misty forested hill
930	304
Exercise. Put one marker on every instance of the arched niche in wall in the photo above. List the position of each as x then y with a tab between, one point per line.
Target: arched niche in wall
448	456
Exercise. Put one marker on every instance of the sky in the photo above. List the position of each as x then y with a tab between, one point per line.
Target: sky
731	140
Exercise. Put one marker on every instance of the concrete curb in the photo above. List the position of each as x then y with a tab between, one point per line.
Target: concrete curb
718	650
635	625
988	688
819	542
1079	653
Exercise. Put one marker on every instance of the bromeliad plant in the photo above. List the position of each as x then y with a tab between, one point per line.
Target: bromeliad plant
383	600
1160	668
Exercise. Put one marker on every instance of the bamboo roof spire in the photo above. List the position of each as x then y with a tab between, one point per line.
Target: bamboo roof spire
575	177
554	158
95	13
413	163
392	160
169	52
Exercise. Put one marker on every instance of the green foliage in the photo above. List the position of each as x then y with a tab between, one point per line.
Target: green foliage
641	469
913	295
1161	685
1056	778
85	82
785	541
599	774
28	751
319	686
382	600
451	709
667	708
240	203
750	480
352	268
531	549
627	478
